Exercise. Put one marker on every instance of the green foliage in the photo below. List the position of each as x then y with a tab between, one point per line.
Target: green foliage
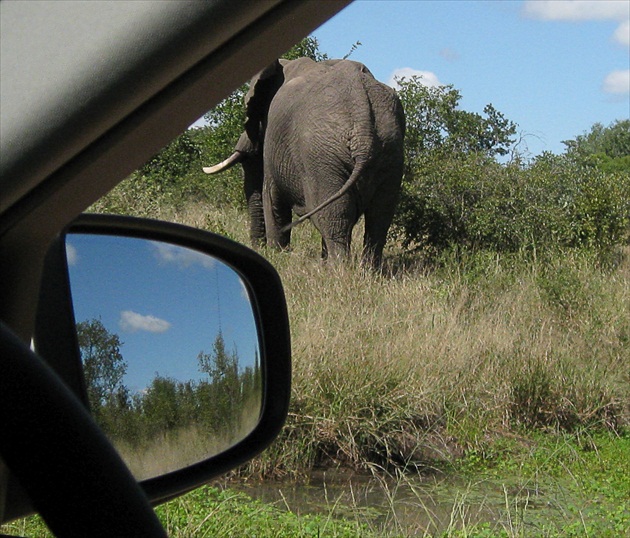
103	364
532	395
225	125
309	48
210	511
456	194
606	148
552	486
173	162
435	123
216	404
472	201
224	394
163	407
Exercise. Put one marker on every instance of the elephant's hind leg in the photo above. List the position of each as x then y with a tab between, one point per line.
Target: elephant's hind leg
335	225
378	218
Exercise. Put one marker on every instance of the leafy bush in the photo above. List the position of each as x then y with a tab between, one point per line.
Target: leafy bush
173	162
472	201
607	148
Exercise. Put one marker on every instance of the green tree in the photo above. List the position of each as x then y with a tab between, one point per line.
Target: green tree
606	148
221	393
436	125
220	365
160	406
103	365
450	158
309	48
173	162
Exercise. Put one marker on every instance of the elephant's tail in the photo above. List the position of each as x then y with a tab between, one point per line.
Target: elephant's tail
352	180
364	136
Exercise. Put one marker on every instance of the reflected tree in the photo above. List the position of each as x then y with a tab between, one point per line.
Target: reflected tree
221	394
103	365
213	411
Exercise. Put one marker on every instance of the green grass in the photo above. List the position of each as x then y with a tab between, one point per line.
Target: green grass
422	367
504	369
566	486
549	486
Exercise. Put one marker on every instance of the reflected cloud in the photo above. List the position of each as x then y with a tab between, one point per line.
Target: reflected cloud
71	255
182	257
132	322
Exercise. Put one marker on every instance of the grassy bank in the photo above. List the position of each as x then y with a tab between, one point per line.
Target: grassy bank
438	359
426	365
561	486
504	368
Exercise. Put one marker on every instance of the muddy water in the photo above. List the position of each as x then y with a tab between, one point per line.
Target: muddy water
420	505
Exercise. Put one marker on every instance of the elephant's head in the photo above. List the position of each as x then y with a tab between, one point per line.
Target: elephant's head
249	148
262	89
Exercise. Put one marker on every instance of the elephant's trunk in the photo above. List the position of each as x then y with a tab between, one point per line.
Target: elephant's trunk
233	159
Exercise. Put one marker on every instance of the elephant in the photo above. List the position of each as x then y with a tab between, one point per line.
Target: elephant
324	140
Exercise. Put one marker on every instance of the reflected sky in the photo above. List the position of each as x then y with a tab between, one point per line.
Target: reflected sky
166	303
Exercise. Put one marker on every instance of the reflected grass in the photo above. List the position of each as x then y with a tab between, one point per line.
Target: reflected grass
177	448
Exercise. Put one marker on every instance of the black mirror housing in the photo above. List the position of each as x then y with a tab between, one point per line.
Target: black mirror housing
56	338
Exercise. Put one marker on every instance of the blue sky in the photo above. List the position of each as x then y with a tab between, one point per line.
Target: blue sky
553	67
165	303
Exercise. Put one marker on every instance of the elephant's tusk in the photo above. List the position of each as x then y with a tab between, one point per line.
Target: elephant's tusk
233	159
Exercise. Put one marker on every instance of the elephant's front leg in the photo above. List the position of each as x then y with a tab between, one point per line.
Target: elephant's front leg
277	216
253	186
256	219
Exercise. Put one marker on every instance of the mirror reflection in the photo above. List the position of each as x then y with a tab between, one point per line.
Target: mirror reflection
169	346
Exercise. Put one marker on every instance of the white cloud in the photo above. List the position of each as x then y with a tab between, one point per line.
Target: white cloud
576	10
450	55
622	34
617	82
428	78
183	257
71	254
583	10
132	322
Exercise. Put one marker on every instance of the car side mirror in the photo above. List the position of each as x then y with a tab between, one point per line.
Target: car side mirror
176	339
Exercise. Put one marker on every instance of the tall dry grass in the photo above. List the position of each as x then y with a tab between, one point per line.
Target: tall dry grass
180	447
421	364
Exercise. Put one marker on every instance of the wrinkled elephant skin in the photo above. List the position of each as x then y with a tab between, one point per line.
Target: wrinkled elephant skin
323	140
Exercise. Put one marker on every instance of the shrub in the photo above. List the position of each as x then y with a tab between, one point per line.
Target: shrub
474	202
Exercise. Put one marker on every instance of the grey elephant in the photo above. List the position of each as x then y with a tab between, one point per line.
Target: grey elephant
325	140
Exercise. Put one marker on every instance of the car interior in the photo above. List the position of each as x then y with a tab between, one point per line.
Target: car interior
89	92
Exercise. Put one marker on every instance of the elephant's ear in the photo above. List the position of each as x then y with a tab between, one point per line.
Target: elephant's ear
261	91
